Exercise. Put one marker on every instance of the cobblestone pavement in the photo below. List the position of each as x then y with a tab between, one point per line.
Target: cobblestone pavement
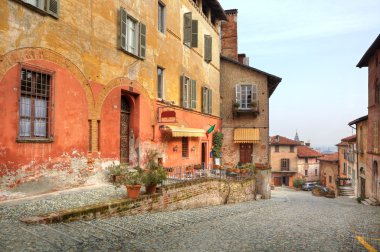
290	221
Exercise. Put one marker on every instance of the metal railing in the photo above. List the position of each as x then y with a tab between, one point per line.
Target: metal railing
178	174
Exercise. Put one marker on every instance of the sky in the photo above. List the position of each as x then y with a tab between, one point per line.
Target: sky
314	47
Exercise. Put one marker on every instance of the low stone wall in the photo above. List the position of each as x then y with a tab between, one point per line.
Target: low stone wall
191	194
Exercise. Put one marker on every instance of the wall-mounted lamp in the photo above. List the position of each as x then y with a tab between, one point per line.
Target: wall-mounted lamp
175	148
193	148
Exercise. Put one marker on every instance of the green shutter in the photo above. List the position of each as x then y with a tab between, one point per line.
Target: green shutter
52	7
187	29
208	48
184	92
142	40
123	29
194	34
193	94
204	100
209	101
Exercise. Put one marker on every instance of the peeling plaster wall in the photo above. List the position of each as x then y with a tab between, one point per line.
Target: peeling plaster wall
82	48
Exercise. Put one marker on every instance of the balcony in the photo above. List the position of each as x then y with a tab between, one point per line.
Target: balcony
285	169
252	109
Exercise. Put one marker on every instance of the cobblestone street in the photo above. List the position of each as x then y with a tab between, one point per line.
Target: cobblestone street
290	221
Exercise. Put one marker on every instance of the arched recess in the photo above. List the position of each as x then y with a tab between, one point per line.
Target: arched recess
119	82
26	54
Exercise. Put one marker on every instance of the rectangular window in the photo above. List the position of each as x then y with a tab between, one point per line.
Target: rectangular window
306	171
316	172
292	149
277	148
35	104
208	48
188	92
306	160
185	147
50	7
160	83
344	168
190	30
246	96
132	35
349	170
285	164
161	17
206	100
330	179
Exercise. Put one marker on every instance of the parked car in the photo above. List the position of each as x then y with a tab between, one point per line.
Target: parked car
308	186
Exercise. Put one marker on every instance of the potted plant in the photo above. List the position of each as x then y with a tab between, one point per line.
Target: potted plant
297	183
116	172
236	105
132	180
154	173
253	104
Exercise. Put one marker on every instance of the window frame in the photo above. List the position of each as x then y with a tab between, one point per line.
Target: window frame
285	163
277	148
306	173
291	147
185	147
43	7
246	105
50	107
161	24
162	82
206	100
139	37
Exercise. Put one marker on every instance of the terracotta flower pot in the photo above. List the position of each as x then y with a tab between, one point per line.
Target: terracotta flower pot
133	191
151	189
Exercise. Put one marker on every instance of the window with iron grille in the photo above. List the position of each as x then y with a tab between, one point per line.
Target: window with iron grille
185	147
35	104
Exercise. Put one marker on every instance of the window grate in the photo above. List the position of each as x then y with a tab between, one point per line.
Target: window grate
35	104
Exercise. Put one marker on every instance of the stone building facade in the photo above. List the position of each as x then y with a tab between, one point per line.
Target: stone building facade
308	163
371	60
348	162
284	160
362	168
245	93
88	83
329	167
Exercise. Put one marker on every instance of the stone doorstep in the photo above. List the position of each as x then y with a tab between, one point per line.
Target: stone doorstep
365	203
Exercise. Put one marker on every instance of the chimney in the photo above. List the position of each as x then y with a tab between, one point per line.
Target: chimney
229	35
243	59
307	144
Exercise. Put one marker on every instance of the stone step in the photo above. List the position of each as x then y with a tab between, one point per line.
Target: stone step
372	201
365	203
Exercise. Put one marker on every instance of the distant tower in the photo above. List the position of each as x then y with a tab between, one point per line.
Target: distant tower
296	138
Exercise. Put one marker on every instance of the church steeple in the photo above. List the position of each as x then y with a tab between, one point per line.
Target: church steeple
296	138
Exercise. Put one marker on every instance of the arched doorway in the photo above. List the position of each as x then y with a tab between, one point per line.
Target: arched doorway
375	179
125	113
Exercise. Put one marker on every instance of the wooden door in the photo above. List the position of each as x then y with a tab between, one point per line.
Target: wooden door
124	130
362	187
277	181
246	151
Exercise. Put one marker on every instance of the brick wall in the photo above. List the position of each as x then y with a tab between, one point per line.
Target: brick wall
230	36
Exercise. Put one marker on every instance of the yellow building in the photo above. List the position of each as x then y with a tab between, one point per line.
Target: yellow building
118	77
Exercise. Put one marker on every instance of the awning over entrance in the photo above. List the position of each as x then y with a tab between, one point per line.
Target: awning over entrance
246	135
178	131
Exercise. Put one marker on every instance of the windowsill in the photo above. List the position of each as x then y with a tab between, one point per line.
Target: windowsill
34	140
132	54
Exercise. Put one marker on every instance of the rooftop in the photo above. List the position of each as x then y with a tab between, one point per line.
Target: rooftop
305	151
368	54
349	139
280	140
273	80
342	144
330	157
360	119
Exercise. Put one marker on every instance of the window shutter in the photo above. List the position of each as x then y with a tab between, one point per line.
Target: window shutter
208	48
123	29
204	100
254	92
187	29
193	94
142	40
184	92
209	101
53	7
238	93
194	37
